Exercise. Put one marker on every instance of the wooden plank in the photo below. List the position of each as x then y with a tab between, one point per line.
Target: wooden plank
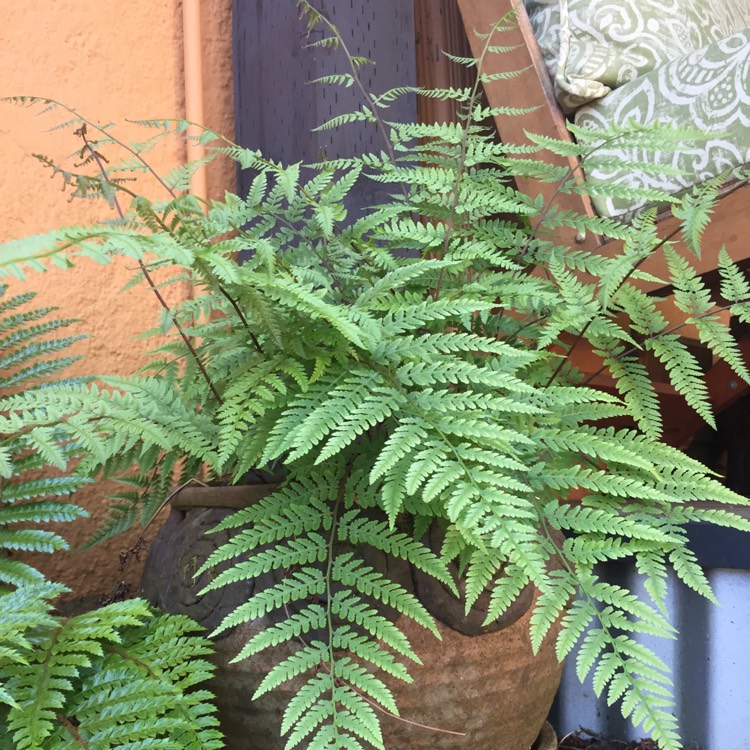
729	228
235	496
438	28
532	88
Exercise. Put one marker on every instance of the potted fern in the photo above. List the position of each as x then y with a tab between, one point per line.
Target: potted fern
410	377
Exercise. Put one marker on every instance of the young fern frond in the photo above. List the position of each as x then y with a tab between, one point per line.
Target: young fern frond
29	500
118	674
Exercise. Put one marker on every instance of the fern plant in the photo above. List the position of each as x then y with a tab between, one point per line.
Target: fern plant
434	386
119	676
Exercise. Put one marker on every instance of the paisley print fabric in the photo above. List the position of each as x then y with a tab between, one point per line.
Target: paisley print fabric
594	46
679	62
708	89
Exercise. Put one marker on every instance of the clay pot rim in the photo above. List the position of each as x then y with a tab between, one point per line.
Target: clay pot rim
234	497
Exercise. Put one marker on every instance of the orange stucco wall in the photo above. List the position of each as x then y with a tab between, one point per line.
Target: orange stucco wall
110	60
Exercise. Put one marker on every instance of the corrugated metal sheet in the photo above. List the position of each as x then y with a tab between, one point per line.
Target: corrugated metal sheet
710	662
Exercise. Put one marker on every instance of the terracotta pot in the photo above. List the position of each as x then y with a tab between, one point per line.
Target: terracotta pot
479	692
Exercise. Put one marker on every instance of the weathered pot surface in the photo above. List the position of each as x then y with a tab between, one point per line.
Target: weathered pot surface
478	692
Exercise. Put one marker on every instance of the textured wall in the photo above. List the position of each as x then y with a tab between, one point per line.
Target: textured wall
111	60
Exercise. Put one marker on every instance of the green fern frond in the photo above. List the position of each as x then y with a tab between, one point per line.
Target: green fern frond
560	591
354	574
141	664
634	383
695	211
306	658
295	552
313	617
356	675
363	115
360	530
354	609
300	585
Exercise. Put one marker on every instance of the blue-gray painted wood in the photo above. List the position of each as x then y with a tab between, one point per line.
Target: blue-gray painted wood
276	106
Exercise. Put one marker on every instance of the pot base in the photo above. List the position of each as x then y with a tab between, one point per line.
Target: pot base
489	692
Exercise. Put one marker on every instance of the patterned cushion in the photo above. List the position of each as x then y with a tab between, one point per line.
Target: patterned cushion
708	89
731	15
594	46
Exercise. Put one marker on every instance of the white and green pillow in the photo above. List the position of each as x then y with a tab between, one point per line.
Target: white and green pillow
684	63
594	46
707	90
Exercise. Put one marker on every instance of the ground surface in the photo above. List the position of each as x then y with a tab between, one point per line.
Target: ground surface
585	739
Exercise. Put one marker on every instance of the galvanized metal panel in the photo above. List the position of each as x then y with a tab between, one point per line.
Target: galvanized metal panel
710	662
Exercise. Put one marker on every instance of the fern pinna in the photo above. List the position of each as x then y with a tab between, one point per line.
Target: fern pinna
119	676
412	363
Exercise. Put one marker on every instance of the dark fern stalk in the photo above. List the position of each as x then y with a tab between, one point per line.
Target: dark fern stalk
97	158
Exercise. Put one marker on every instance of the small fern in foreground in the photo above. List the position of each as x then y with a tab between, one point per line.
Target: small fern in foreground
119	676
109	678
415	366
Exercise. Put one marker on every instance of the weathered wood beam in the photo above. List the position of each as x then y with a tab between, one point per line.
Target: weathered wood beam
438	28
729	228
531	88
